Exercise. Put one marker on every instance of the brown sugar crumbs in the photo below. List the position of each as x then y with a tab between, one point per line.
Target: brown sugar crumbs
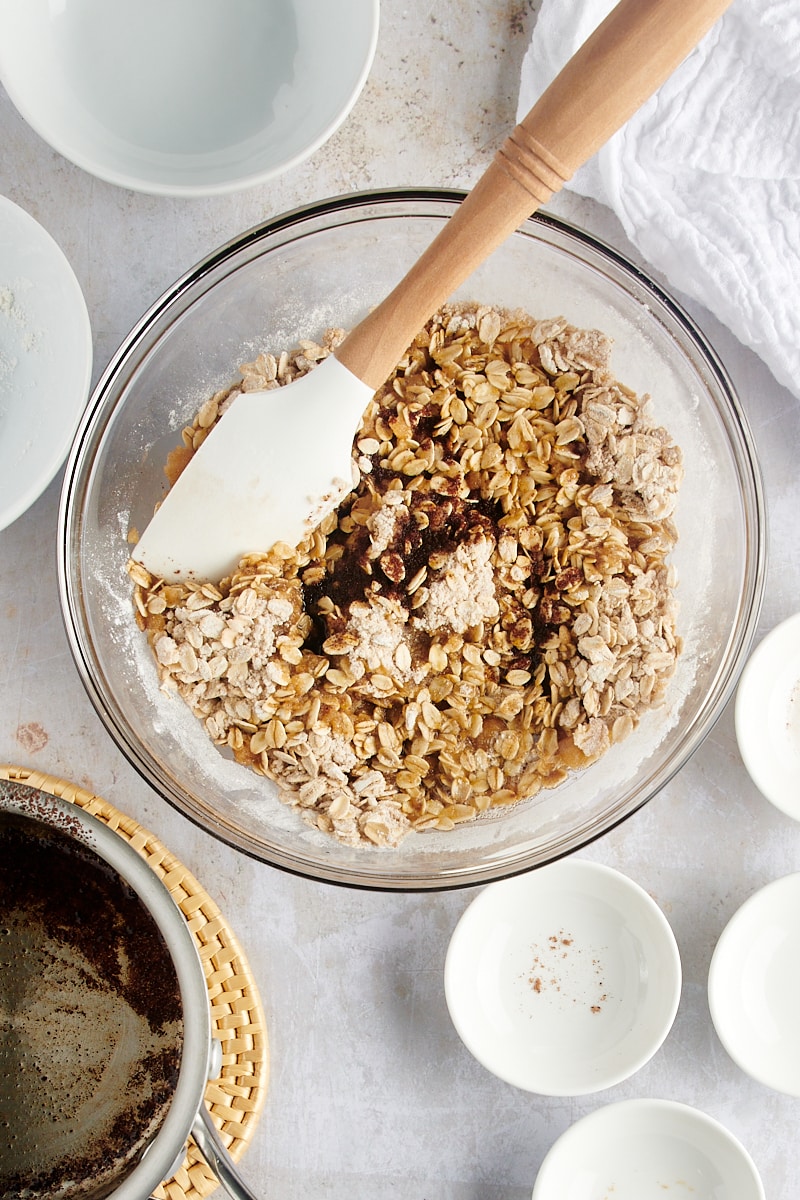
491	608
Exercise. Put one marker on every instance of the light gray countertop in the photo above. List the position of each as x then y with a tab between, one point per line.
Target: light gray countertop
372	1095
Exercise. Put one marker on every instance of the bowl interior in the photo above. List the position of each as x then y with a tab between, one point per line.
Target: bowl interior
644	1148
192	97
45	359
754	988
768	716
563	981
324	267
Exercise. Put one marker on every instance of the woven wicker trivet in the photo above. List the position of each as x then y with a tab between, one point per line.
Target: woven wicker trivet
237	1019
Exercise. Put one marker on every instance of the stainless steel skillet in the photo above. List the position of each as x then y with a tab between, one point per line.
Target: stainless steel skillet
105	1027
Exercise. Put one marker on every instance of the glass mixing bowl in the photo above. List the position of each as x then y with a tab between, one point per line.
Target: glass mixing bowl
325	266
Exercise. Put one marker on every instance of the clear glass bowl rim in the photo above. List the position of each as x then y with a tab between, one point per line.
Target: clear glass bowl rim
99	409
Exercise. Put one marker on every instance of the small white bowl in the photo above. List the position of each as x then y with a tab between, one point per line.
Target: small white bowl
647	1150
45	359
563	981
767	716
189	97
754	986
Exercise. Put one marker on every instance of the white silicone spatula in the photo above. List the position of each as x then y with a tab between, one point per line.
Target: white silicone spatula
276	463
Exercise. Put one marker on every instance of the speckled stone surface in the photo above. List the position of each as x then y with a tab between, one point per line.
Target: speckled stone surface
372	1094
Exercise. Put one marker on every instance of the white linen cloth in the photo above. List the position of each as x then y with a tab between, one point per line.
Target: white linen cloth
705	178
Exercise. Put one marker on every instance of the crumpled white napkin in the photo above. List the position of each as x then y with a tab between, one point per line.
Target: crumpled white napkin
705	178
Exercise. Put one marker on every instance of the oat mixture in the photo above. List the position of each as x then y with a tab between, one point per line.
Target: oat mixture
491	608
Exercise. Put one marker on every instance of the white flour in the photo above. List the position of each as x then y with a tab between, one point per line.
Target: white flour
17	339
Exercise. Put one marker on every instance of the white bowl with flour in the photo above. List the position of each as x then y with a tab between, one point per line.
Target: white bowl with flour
45	359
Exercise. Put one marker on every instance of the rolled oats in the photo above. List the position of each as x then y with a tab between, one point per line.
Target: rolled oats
490	609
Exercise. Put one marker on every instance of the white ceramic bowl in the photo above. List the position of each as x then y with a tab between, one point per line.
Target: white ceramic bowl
564	981
768	716
647	1150
754	986
190	97
45	359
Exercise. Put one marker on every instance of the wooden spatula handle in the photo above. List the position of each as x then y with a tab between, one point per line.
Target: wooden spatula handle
617	69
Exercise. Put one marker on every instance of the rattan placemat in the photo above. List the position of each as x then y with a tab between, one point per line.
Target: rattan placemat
234	1099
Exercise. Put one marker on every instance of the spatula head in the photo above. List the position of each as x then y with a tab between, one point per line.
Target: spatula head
275	464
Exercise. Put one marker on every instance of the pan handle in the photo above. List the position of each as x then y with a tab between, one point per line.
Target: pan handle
213	1150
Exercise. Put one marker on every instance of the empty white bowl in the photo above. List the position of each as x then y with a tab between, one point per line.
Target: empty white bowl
190	97
45	359
564	981
754	986
767	716
647	1150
